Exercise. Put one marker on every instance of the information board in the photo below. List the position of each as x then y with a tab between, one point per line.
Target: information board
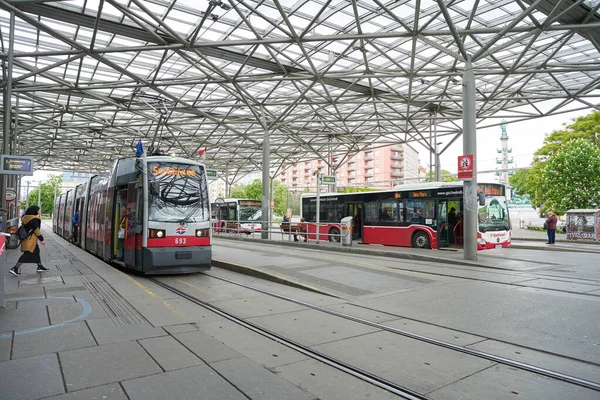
16	165
211	174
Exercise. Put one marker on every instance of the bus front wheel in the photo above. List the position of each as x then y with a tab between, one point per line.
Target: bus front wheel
421	240
335	235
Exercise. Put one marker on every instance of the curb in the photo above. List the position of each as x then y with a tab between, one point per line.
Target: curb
389	254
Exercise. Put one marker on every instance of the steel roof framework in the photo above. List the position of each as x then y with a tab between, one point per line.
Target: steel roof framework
90	78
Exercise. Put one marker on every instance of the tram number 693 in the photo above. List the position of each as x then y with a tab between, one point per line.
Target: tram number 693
180	240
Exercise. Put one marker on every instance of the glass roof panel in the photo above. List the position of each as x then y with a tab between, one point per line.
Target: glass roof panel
356	71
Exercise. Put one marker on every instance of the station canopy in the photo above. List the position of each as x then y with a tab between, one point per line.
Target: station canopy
90	78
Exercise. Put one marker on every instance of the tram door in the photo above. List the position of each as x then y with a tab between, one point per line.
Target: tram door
355	210
132	225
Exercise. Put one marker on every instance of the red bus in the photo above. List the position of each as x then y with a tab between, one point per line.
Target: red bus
427	215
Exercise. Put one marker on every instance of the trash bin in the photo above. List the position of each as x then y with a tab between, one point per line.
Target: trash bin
346	238
521	223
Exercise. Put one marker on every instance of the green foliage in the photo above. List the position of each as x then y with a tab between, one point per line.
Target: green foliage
445	176
253	191
571	177
533	181
586	127
47	194
280	198
238	191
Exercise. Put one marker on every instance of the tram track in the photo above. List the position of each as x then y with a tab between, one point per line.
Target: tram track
375	380
357	372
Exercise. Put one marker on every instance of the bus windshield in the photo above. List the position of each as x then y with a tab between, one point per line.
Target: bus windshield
177	192
250	211
493	216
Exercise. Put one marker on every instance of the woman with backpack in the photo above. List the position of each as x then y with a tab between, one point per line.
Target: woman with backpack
31	251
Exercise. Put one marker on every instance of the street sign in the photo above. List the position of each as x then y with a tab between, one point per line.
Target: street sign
328	179
10	194
465	167
16	165
211	174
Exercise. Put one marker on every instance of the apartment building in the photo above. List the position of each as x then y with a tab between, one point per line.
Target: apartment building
377	167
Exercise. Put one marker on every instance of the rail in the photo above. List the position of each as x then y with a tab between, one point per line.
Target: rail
276	228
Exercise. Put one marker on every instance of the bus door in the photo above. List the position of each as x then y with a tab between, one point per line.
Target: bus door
444	230
355	210
131	223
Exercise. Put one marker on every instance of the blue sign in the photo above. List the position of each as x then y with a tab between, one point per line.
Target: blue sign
17	165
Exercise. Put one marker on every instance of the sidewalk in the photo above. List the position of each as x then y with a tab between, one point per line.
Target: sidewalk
85	330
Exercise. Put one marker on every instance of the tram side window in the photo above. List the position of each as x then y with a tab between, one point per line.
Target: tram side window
371	213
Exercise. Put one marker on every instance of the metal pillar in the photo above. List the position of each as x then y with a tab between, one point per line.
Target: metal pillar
7	116
27	197
39	203
264	234
318	203
437	162
470	147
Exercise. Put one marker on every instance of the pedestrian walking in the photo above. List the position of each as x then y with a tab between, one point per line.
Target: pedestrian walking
551	221
31	251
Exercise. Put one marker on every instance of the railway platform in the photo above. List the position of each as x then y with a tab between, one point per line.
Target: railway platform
86	330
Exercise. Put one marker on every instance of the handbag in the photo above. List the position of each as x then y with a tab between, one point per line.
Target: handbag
546	226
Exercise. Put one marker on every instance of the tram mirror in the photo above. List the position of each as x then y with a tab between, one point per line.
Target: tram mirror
481	198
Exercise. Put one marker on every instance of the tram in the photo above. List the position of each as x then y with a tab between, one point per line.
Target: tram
148	214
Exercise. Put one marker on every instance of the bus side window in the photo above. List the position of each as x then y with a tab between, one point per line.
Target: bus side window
371	213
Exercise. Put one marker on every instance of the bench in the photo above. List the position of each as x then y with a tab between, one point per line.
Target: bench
292	229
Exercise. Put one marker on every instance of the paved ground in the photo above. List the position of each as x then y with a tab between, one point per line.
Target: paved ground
86	330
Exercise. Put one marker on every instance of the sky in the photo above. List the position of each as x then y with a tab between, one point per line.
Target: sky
524	137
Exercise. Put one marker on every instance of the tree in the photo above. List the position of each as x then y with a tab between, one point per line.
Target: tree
445	176
47	194
586	128
238	191
253	191
571	177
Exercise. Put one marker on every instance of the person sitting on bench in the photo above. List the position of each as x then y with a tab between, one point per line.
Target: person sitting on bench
302	228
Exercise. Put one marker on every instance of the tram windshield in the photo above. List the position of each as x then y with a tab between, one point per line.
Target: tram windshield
493	216
177	192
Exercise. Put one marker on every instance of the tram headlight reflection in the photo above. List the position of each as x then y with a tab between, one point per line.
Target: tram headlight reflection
202	232
157	233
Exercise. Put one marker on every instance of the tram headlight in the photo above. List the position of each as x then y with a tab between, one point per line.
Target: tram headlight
157	233
202	232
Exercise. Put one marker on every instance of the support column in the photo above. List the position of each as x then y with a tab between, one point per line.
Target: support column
264	234
7	117
470	147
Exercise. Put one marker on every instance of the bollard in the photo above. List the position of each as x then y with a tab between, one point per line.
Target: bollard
346	234
2	266
521	223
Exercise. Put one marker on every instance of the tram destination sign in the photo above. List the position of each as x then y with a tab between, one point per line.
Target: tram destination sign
17	165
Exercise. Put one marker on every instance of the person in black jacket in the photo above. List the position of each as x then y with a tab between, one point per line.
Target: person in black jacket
29	246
